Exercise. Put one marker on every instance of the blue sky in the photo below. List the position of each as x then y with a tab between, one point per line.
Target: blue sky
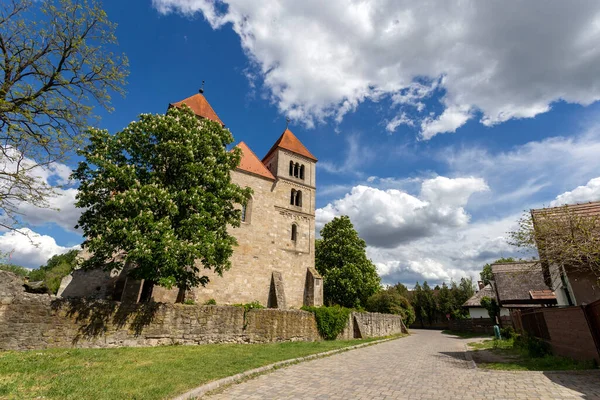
435	123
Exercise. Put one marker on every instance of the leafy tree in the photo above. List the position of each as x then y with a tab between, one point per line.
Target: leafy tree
486	274
389	301
57	267
349	277
160	194
429	303
444	300
419	303
492	307
55	63
15	269
460	293
402	290
562	237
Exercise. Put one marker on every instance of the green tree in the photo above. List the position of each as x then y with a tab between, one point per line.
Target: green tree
57	267
486	274
402	290
492	307
419	303
160	193
389	301
429	303
460	293
444	300
349	277
55	64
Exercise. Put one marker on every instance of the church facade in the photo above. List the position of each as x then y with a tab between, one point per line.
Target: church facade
274	262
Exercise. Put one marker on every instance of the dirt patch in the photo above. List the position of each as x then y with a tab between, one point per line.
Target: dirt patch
488	356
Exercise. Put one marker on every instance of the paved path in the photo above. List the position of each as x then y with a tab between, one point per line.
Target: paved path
425	365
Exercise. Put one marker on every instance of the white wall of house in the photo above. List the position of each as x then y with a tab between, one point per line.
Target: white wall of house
558	286
480	312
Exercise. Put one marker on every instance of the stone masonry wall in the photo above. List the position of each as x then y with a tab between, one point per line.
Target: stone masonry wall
367	325
35	321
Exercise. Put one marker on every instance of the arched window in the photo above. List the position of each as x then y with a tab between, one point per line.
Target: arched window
299	198
243	213
302	172
296	170
247	211
293	197
291	168
294	232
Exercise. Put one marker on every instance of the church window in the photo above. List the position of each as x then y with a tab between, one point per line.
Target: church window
291	168
293	197
294	232
296	170
247	211
302	172
244	213
299	198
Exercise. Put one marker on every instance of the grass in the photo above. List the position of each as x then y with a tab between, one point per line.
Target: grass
465	335
139	373
518	359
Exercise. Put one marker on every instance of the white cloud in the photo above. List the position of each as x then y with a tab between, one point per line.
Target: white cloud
386	218
581	194
503	59
29	248
398	120
356	155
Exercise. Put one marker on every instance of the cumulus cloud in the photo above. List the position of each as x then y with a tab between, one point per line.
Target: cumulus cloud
496	60
387	218
29	248
581	194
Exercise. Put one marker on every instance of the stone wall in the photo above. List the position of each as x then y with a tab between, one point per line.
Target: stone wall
34	321
367	325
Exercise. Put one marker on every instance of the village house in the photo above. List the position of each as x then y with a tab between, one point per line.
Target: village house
573	285
473	305
274	262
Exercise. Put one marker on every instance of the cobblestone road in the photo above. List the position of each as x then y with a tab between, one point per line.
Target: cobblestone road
425	365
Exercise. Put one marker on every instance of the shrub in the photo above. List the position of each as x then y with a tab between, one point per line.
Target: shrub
211	302
391	302
331	321
508	332
535	348
189	302
15	269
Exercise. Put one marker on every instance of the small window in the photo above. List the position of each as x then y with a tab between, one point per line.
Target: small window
296	170
291	168
293	197
244	213
299	198
294	232
302	172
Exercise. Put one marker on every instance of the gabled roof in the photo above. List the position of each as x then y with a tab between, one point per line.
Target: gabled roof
516	281
475	300
289	141
251	163
200	107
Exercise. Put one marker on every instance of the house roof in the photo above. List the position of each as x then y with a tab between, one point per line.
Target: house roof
251	163
514	282
200	106
582	209
475	300
546	294
289	141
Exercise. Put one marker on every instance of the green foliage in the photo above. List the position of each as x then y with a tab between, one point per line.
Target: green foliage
56	268
535	348
349	277
189	302
508	332
391	302
444	300
331	321
15	269
255	305
57	64
402	290
210	302
160	193
492	307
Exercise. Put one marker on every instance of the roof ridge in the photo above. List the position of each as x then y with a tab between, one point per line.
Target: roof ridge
294	145
251	163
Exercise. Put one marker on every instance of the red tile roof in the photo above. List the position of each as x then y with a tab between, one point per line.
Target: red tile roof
542	295
584	209
251	163
289	141
200	107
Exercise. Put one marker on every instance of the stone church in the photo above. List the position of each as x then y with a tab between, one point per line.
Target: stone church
275	257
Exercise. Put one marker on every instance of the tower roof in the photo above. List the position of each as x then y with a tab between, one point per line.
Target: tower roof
289	141
251	163
200	106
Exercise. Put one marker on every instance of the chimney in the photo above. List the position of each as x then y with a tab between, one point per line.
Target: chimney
481	285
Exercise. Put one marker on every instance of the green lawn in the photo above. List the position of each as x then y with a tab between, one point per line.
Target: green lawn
514	358
138	373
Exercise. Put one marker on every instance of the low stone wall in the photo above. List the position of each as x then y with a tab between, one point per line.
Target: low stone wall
477	325
367	325
34	321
